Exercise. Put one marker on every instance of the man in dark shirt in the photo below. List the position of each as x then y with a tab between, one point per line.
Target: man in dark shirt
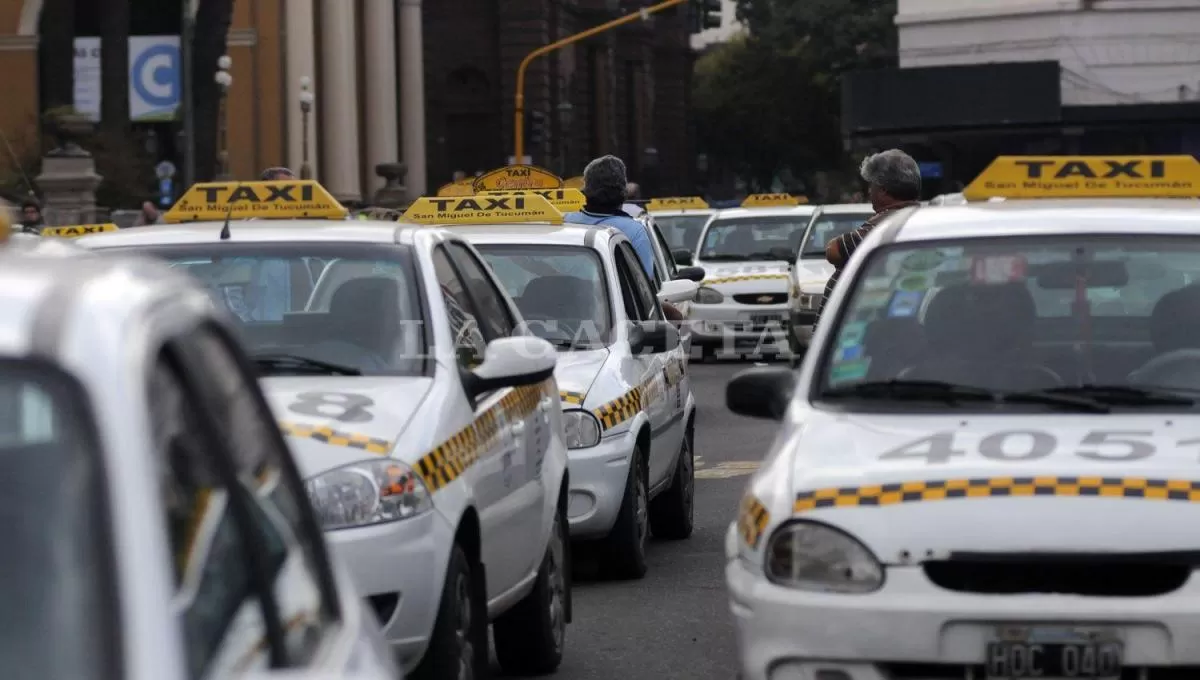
894	182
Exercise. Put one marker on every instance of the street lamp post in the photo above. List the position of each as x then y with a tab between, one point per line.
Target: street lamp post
306	104
224	79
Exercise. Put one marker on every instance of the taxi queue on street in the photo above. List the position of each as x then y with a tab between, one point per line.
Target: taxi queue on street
348	448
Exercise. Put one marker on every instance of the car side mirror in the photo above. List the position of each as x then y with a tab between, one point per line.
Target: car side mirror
761	392
654	337
512	362
690	274
682	257
678	291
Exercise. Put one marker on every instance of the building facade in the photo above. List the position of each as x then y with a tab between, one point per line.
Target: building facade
431	84
988	77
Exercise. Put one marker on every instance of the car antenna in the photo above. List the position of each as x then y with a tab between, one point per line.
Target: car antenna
228	215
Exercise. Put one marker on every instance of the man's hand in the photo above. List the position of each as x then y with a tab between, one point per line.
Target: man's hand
672	313
833	252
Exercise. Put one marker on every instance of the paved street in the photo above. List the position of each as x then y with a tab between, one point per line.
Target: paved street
675	623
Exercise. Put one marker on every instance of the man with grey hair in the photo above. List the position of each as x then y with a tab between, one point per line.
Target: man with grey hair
604	183
893	182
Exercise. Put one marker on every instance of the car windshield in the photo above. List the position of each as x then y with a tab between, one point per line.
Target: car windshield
59	588
827	227
1021	315
560	290
351	307
681	231
753	238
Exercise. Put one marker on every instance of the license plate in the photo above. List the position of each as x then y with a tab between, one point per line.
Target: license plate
764	319
1054	660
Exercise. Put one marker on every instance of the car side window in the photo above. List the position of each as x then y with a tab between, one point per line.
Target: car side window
629	297
641	286
469	344
213	577
494	313
285	526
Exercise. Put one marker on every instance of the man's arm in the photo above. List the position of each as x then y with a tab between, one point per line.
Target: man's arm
839	250
833	254
645	251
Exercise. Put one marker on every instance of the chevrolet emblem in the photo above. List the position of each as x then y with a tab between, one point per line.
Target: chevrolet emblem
764	299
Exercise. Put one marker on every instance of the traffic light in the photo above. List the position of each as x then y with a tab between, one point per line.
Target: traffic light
708	14
537	128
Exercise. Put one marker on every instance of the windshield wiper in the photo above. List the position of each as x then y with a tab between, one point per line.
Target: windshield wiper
1125	395
295	362
951	393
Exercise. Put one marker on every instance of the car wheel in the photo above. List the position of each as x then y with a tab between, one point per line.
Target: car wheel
458	647
530	636
625	556
672	511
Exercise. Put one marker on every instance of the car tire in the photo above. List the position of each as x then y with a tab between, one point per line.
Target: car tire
625	549
530	636
671	513
458	646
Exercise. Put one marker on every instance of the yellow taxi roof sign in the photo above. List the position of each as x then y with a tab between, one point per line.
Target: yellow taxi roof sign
1087	177
564	200
573	182
77	230
463	187
482	209
517	177
771	200
275	200
676	203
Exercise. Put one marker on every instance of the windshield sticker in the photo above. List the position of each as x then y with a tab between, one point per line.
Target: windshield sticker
848	353
923	261
874	299
852	334
851	370
998	269
905	303
915	282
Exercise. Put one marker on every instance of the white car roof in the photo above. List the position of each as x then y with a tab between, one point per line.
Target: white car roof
549	234
1049	217
844	208
778	211
698	212
254	231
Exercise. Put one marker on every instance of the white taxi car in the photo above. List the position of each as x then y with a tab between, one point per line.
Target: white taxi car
624	386
811	271
988	461
155	524
682	219
742	305
426	422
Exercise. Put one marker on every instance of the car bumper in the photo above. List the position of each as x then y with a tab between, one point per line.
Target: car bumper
598	476
403	563
736	325
913	629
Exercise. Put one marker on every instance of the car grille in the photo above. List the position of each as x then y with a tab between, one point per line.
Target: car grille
1094	576
761	298
939	671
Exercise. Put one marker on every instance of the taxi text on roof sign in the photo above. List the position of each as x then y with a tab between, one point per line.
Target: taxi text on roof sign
463	187
517	177
482	209
287	199
1087	177
573	182
677	203
563	200
77	230
772	200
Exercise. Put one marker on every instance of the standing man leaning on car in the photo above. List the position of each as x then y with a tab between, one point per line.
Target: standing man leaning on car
893	182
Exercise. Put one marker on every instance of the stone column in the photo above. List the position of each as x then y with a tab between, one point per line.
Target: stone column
379	64
69	180
301	51
337	92
412	84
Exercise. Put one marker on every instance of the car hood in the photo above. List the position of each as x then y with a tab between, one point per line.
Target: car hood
575	373
368	431
745	277
1068	500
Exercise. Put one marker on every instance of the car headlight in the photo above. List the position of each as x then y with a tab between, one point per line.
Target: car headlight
817	557
370	492
708	296
581	428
